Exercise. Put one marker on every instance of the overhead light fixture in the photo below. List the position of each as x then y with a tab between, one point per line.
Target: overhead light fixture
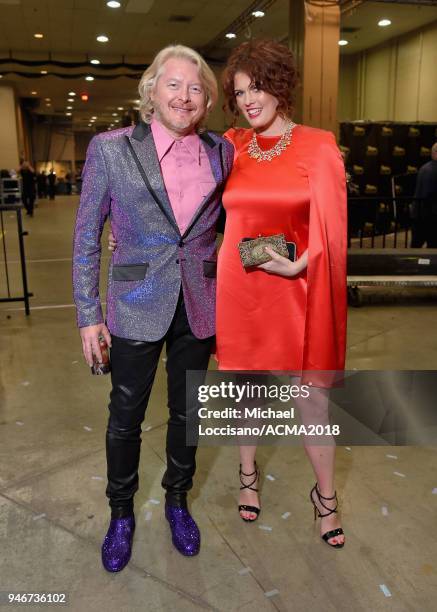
1	76
343	42
90	124
89	78
48	104
33	93
115	114
95	61
102	38
120	108
70	99
94	118
71	93
68	114
113	4
69	108
258	13
44	72
48	99
383	23
231	35
38	35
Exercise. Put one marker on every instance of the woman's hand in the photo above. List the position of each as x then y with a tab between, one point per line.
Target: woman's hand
282	265
112	243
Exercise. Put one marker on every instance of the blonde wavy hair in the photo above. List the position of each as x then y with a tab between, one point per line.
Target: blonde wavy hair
153	72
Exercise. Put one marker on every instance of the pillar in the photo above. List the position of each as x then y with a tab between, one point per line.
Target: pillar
314	33
9	148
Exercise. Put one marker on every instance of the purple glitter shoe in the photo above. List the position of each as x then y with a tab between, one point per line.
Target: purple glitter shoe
117	545
184	531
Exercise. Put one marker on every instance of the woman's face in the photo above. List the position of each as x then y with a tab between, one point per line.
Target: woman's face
257	106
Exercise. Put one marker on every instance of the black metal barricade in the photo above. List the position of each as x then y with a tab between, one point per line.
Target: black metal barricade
372	220
16	208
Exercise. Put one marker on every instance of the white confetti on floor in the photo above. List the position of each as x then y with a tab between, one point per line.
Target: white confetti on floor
385	590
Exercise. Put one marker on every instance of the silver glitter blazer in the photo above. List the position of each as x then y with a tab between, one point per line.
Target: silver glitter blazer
122	179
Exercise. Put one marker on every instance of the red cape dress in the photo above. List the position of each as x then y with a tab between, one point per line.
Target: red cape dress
270	322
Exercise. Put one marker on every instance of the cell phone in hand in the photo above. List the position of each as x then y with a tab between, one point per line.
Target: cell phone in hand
99	368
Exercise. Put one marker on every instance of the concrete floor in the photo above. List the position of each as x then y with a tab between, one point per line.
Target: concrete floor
53	510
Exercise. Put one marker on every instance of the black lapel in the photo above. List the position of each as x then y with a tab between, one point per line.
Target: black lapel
215	155
143	150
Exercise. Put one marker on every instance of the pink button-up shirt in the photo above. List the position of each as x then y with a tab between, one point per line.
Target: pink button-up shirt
186	171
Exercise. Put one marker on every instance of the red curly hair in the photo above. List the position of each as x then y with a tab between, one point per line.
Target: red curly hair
271	67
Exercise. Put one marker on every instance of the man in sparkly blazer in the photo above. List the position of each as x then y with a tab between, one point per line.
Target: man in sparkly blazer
160	184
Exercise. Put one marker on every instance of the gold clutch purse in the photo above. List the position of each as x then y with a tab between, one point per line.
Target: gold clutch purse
252	252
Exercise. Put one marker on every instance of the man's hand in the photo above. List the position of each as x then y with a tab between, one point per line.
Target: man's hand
90	341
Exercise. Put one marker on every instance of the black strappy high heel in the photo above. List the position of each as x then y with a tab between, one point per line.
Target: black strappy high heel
334	532
243	507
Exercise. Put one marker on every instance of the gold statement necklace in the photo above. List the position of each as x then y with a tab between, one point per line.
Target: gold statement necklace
257	153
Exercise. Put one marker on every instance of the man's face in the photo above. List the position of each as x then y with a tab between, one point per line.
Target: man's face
179	98
434	152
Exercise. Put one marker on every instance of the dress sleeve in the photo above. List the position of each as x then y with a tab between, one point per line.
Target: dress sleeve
325	323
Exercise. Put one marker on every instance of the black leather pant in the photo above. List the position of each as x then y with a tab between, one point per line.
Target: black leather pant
134	365
424	231
28	202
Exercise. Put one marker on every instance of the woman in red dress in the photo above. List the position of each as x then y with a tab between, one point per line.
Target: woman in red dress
282	315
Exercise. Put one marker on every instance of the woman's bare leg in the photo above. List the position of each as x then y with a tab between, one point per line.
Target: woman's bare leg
248	497
315	410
